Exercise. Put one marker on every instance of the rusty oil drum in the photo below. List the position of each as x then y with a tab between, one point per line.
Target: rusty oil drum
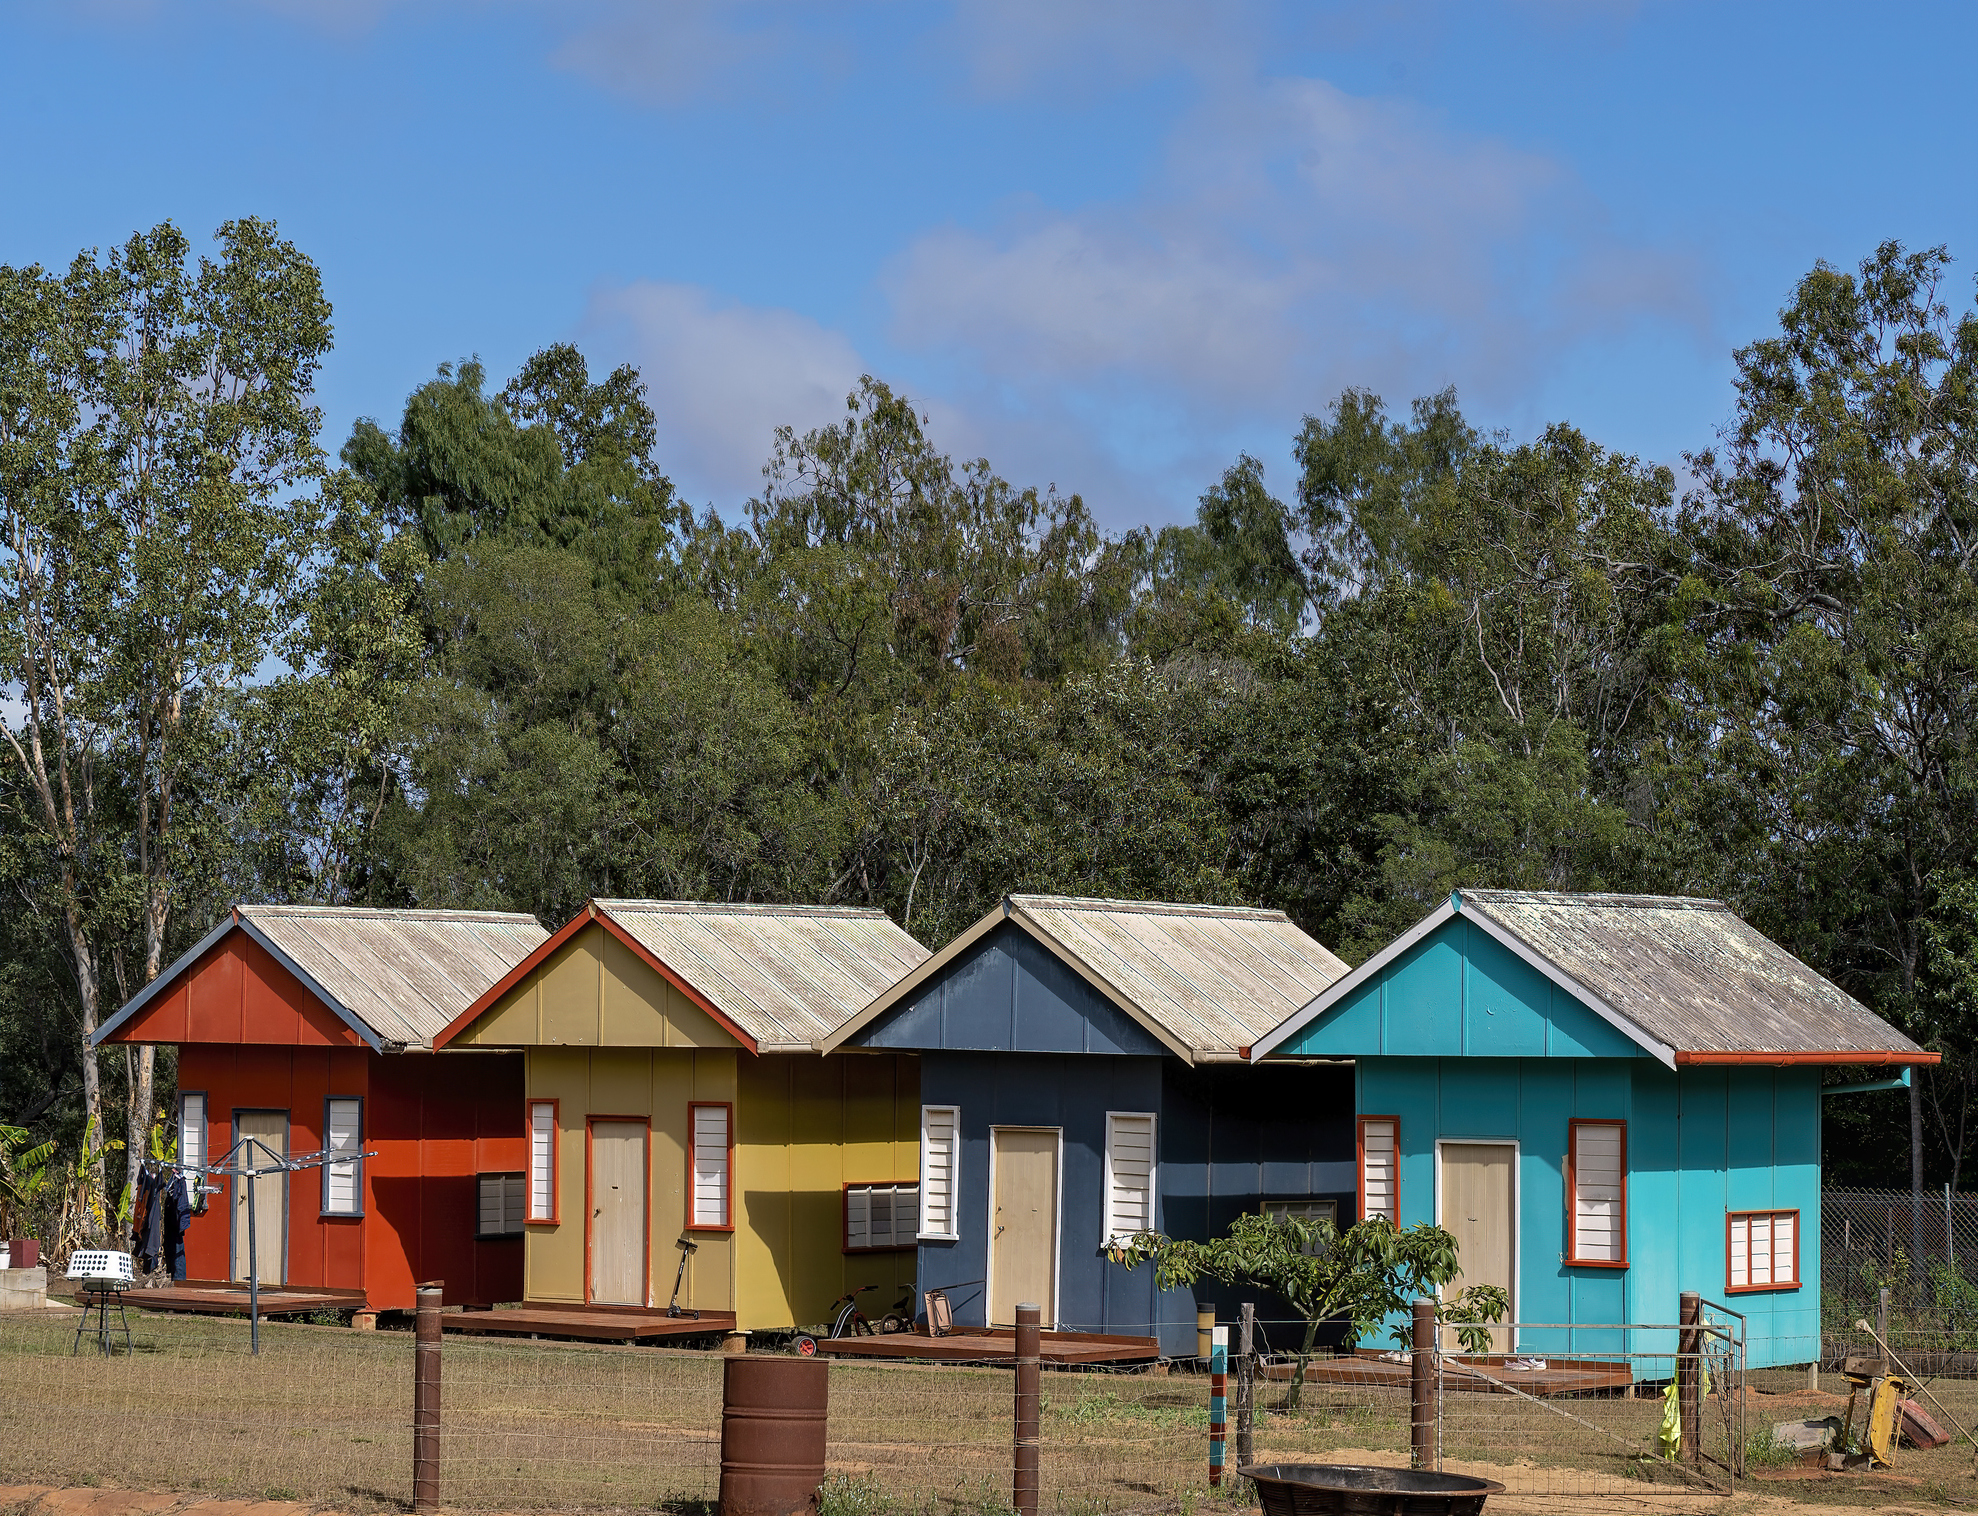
772	1434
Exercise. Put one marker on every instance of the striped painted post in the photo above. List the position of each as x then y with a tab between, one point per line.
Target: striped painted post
1218	1401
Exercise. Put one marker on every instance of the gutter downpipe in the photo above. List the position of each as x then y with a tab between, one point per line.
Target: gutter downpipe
1900	1082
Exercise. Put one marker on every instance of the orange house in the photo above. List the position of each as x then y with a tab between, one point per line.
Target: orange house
310	1028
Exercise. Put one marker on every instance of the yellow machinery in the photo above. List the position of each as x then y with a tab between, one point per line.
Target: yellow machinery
1886	1393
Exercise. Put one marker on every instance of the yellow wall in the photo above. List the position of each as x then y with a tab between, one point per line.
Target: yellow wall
807	1127
607	1035
656	1083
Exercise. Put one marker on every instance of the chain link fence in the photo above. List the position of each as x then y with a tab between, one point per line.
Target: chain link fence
1923	1251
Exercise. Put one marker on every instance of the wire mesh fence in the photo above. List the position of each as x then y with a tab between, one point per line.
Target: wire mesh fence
1923	1250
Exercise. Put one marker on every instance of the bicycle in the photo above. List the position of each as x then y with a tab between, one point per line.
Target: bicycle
848	1320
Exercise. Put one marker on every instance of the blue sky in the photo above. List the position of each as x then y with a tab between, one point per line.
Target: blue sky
1107	245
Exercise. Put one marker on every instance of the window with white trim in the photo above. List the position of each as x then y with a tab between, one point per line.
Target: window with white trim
501	1205
1309	1211
1764	1250
940	1166
1380	1168
1597	1160
881	1216
542	1160
192	1146
710	1165
1129	1174
343	1126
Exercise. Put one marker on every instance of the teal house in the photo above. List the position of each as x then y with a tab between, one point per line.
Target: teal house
1608	1100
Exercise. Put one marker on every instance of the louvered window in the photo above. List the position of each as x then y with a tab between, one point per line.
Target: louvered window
1380	1168
192	1146
343	1188
711	1161
940	1169
501	1205
1597	1176
1309	1211
880	1216
1764	1250
542	1160
1129	1174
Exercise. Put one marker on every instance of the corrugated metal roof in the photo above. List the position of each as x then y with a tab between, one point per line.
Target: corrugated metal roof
405	974
1214	978
1689	972
785	974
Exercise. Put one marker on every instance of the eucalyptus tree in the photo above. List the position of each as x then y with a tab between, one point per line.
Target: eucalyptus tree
158	449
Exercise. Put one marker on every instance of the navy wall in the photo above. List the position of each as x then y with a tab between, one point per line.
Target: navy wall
1230	1137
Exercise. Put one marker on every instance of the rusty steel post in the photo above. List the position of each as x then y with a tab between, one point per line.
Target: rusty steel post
426	1400
1422	1410
1024	1489
1689	1376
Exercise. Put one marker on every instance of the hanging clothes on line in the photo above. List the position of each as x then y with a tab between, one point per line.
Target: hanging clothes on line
178	1214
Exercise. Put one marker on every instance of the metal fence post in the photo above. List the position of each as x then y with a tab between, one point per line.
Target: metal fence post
1423	1408
1689	1376
1246	1388
426	1400
1024	1483
1882	1315
1218	1401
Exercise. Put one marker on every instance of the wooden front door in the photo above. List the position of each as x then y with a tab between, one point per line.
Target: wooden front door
618	1213
1477	1197
1023	1242
270	1193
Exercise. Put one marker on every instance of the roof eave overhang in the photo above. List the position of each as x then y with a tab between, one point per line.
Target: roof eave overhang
1877	1059
540	955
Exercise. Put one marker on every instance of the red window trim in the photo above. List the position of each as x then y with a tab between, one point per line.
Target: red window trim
728	1190
1573	1194
555	1216
1730	1219
589	1168
1360	1166
845	1217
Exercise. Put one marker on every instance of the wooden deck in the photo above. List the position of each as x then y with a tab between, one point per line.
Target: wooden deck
217	1298
1572	1376
588	1323
993	1345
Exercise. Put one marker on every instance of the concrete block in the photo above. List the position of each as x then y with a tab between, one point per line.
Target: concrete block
24	1289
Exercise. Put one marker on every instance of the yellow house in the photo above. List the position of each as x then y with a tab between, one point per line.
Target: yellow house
673	1095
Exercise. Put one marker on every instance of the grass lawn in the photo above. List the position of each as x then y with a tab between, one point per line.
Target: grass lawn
324	1415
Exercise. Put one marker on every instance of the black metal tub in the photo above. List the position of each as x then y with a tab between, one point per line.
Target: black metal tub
1359	1489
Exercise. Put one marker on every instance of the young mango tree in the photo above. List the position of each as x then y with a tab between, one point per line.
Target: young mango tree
1360	1276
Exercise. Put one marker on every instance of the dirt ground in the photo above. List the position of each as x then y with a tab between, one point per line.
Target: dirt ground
189	1422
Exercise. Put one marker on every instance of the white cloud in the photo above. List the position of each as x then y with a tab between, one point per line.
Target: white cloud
722	377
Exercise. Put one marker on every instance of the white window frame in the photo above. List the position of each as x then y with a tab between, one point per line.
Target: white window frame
901	1202
954	1151
542	1134
1115	1234
1360	1125
351	1168
194	1154
1574	1130
699	1217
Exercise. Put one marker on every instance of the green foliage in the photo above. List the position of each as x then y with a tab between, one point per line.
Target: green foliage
1360	1277
23	1179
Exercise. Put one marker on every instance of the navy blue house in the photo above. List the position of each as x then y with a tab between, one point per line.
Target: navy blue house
1082	1078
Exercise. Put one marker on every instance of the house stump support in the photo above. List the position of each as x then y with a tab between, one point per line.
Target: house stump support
1246	1387
1218	1403
426	1400
1024	1489
1422	1401
1689	1376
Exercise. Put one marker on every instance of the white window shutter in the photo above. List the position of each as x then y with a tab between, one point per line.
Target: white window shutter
192	1143
1740	1262
710	1165
858	1216
1598	1224
542	1160
1379	1170
1129	1174
340	1196
906	1214
1784	1248
940	1128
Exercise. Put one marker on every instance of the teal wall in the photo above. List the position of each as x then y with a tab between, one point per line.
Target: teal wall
1459	1037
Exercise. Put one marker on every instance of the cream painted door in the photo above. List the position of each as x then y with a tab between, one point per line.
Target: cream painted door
1477	1212
1023	1243
618	1213
270	1196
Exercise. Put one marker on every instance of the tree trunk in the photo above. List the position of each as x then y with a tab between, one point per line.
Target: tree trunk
1915	1169
92	1080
